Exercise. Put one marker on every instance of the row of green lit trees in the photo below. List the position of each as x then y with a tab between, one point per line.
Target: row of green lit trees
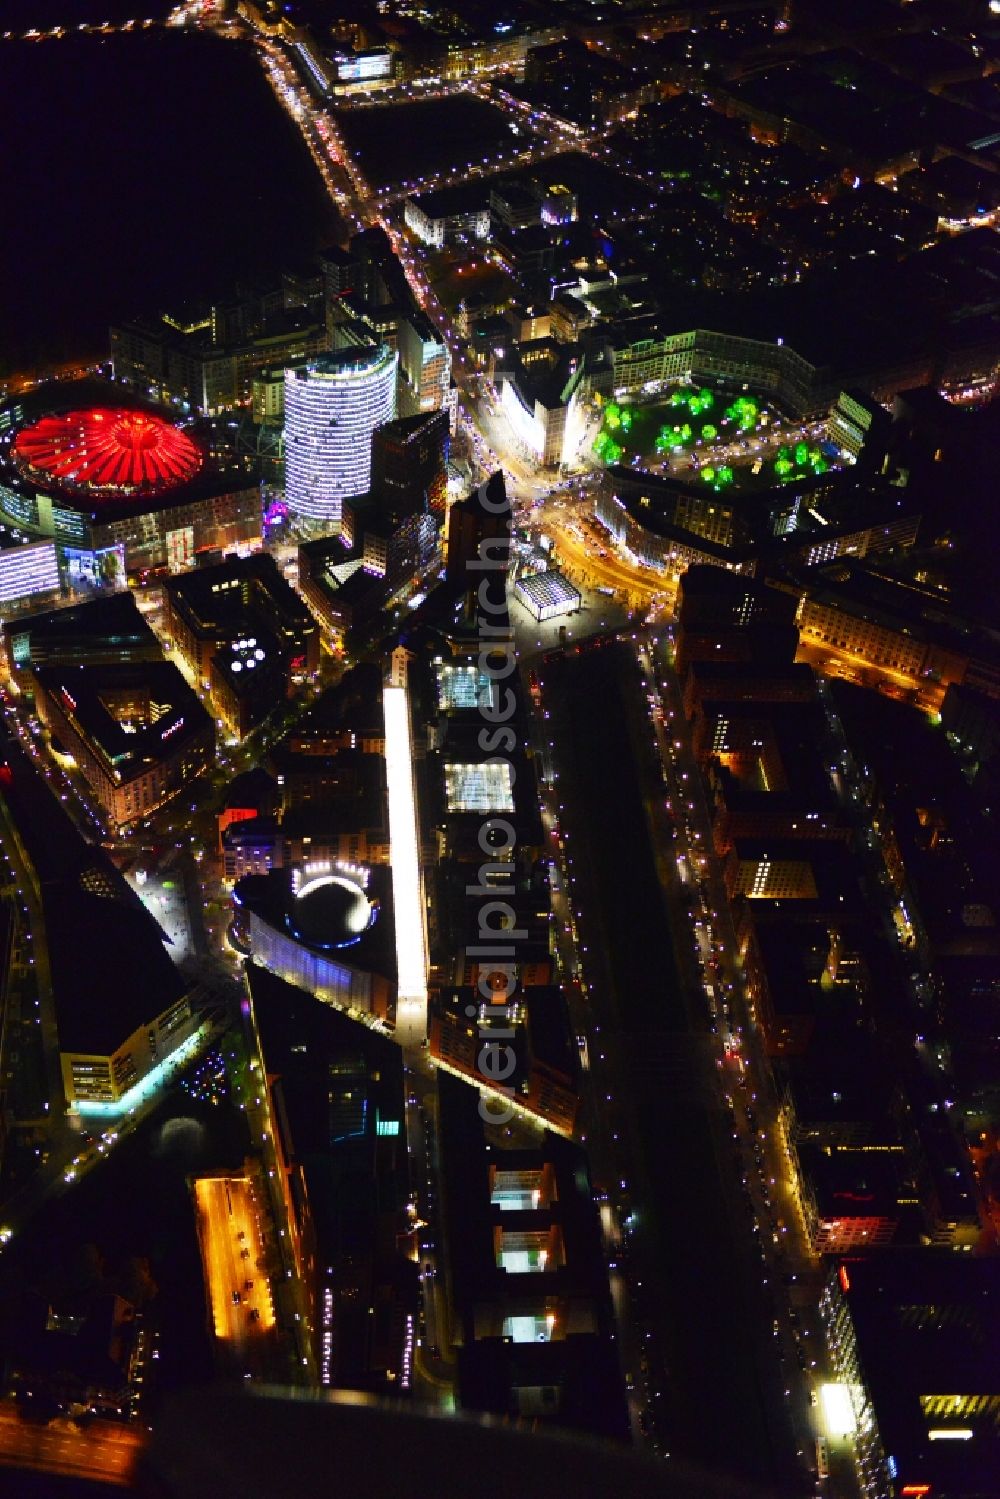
744	414
791	463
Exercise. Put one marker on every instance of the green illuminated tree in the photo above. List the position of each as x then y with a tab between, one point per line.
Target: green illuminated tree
744	412
626	419
801	454
708	474
709	433
606	449
724	475
783	465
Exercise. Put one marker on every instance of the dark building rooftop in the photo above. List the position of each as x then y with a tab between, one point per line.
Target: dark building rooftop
737	681
498	1372
133	714
252	789
109	628
843	1088
110	970
927	1327
341	791
353	705
338	1091
221	597
853	1184
311	1046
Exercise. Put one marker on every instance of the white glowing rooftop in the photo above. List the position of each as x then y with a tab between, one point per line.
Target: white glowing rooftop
486	787
463	687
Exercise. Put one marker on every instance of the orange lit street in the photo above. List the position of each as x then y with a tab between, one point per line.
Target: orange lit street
830	661
104	1450
581	560
232	1253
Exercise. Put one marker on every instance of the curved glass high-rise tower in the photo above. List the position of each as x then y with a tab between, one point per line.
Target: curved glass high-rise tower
332	406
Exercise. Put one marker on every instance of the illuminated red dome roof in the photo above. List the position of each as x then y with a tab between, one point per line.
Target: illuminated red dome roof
107	449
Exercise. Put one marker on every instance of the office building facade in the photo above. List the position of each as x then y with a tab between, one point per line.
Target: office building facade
137	732
27	571
332	407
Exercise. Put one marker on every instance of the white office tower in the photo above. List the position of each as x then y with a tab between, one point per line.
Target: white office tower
332	406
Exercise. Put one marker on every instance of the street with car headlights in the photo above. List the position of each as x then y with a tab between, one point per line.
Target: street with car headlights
713	1255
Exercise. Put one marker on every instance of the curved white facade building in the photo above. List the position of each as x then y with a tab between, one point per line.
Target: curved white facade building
332	406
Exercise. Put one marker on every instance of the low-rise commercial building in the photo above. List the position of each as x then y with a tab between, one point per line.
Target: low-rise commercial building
676	527
452	213
137	733
212	370
794	967
536	1025
221	609
710	691
848	625
103	631
851	1201
766	777
774	369
792	869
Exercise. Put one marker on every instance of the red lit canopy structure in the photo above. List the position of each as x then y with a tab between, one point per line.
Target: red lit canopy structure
108	450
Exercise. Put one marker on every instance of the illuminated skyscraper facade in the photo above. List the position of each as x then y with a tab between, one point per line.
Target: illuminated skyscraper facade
332	407
27	570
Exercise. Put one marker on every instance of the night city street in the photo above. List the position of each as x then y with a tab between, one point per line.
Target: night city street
499	749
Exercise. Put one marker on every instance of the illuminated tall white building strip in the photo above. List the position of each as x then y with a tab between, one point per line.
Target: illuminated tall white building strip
332	407
404	861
